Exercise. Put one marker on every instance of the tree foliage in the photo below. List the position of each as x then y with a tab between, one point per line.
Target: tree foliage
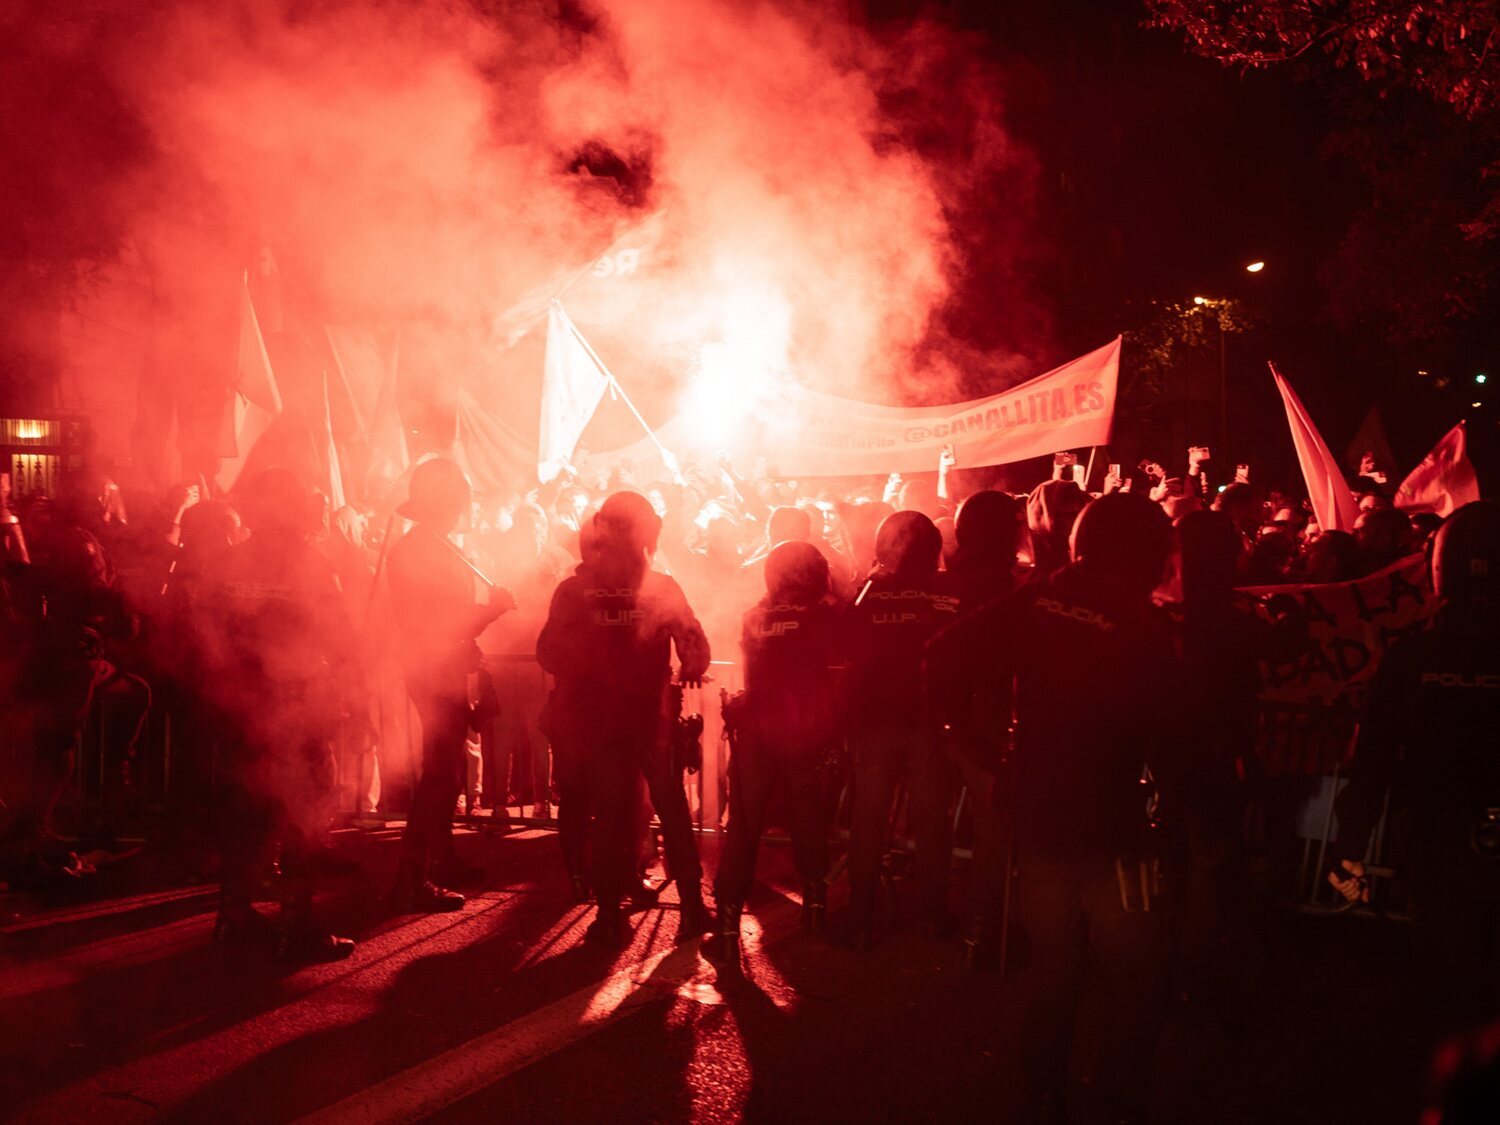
1448	49
1416	259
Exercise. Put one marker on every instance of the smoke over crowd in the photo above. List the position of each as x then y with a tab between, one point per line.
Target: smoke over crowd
818	185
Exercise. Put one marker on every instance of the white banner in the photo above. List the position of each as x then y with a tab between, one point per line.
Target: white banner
812	434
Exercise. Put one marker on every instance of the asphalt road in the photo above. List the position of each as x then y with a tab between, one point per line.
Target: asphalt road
122	1010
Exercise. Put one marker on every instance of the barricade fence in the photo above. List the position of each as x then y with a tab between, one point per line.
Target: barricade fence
1303	755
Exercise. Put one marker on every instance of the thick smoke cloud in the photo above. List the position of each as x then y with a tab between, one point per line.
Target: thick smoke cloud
826	191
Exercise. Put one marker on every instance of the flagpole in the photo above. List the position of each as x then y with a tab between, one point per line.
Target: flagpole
668	458
338	365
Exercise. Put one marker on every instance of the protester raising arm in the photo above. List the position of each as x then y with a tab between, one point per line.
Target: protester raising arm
1198	456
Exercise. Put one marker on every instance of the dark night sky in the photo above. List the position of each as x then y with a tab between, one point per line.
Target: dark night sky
1163	174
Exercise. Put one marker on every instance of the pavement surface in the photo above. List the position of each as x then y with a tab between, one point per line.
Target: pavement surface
117	1007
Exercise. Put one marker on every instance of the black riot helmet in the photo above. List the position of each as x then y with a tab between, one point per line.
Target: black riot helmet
438	494
796	572
627	524
908	544
1210	547
1466	562
988	525
1123	539
788	523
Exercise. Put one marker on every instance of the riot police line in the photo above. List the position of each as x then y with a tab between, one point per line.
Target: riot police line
1096	740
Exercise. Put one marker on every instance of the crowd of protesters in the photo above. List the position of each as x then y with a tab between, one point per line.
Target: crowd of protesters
1077	664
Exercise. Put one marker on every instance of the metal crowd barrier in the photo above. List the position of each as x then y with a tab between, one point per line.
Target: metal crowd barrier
1305	753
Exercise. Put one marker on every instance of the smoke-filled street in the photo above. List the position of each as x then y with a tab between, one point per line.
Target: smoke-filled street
684	561
130	1014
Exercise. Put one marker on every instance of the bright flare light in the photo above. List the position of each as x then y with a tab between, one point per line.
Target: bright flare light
1200	300
739	372
1255	267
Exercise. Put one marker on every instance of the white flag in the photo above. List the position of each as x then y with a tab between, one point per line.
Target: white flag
572	385
255	401
1444	482
1332	502
330	451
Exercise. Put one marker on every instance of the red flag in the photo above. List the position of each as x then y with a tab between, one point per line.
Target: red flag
1332	501
1444	482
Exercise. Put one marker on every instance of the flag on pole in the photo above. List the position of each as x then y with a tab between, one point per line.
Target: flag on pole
600	290
1444	482
1332	501
367	363
572	385
255	401
388	453
487	447
330	451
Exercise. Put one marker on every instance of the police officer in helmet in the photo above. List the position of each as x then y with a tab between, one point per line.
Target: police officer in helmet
1428	737
983	569
892	731
784	727
1091	665
277	640
608	643
432	591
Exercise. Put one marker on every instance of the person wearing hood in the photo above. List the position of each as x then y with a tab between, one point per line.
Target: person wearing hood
1051	511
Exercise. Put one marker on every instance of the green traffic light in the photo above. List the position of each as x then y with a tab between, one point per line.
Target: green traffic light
1481	378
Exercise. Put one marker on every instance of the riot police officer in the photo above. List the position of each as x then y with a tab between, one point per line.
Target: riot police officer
988	529
1429	736
892	731
607	642
277	636
1091	665
432	595
784	727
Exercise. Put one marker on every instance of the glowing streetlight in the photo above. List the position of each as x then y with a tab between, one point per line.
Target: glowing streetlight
1255	267
1200	300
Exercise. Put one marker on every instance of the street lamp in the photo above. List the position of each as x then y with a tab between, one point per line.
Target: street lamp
1255	267
1218	306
